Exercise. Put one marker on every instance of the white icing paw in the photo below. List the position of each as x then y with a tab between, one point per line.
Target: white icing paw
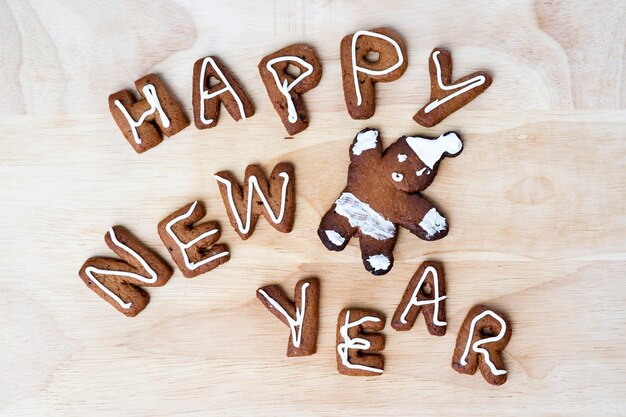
335	238
433	224
379	263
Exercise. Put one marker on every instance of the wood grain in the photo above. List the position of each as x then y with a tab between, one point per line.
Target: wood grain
535	202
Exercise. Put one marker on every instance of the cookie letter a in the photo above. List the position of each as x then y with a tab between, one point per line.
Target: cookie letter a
481	339
354	347
207	99
117	281
301	316
360	74
142	122
275	201
286	88
415	299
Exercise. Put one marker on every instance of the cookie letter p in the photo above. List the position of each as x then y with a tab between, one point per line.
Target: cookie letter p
360	74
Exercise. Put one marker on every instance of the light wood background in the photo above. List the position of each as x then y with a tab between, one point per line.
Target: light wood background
535	202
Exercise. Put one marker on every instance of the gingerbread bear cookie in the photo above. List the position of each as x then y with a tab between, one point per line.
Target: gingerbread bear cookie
481	339
355	347
275	200
206	98
446	96
382	193
360	73
301	316
144	121
285	88
192	246
118	281
431	302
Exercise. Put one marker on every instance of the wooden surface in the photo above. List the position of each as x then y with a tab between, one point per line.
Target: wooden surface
535	202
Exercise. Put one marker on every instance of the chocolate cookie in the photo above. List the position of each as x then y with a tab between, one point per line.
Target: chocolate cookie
481	339
206	98
192	246
360	73
285	88
144	121
301	316
117	281
431	303
274	200
447	97
382	193
355	347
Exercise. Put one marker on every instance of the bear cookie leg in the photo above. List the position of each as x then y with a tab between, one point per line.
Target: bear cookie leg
335	230
377	254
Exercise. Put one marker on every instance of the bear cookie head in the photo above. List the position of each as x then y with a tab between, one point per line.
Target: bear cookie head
411	162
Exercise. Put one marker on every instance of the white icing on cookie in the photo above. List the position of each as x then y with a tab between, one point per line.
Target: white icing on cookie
361	215
402	157
364	141
252	185
476	346
356	343
184	246
420	172
433	222
294	325
436	298
150	94
356	69
335	237
379	262
285	87
90	270
396	176
430	151
463	86
204	95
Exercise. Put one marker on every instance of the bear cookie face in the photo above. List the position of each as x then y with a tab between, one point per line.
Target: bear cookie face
382	193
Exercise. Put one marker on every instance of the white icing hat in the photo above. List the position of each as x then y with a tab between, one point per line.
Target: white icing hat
430	151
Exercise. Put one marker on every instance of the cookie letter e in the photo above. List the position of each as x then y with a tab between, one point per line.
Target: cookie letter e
360	74
355	347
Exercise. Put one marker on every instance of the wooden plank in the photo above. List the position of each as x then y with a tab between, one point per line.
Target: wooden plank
535	202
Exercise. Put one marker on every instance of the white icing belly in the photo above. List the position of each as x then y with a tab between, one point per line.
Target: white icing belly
361	215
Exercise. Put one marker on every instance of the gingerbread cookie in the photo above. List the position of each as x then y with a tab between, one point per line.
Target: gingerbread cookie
117	281
301	316
143	122
192	246
285	88
275	201
417	298
382	193
447	97
355	347
481	339
207	98
360	74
